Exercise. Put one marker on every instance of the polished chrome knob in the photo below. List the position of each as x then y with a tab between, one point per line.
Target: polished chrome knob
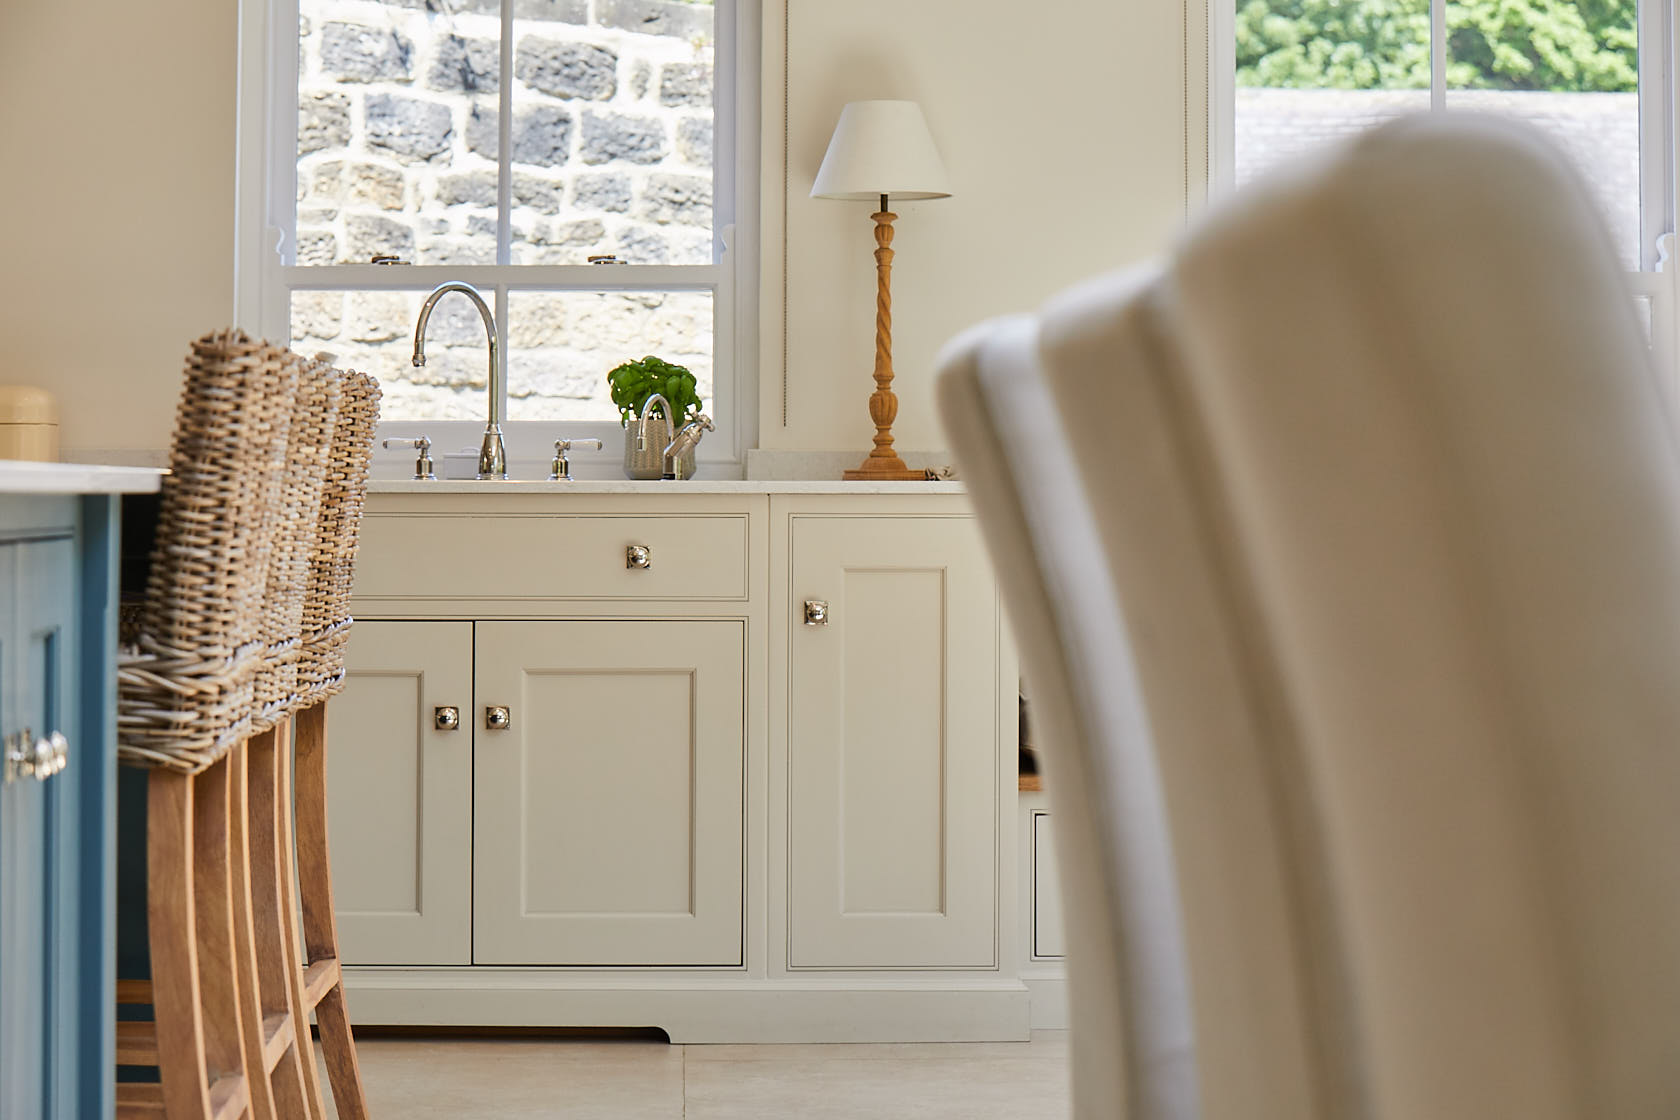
638	556
29	757
497	718
816	612
446	718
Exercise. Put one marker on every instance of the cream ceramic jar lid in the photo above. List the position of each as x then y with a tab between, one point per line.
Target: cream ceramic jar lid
27	404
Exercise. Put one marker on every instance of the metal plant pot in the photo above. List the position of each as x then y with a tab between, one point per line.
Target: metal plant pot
649	462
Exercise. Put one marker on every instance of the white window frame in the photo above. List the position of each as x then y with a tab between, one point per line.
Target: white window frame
266	209
1659	109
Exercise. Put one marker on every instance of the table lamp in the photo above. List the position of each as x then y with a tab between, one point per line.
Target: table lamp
881	150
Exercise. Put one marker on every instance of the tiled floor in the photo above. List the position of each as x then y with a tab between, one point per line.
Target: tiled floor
522	1079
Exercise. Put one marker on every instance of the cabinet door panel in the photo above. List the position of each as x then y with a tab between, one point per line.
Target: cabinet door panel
610	811
892	746
399	795
38	836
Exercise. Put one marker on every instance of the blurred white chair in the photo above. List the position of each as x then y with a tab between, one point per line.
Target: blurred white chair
1390	496
1131	1041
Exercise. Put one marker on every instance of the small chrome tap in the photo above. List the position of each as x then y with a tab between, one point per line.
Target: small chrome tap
492	453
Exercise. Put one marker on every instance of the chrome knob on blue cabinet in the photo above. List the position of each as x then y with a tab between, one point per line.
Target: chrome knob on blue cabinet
28	757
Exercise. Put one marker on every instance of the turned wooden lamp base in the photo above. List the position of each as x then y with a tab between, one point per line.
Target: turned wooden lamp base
889	470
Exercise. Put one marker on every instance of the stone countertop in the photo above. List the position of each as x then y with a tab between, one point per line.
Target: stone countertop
694	486
20	477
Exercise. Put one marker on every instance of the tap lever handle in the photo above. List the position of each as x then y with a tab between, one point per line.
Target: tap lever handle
561	470
422	459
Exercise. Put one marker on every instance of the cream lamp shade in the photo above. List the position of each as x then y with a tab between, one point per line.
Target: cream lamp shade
881	148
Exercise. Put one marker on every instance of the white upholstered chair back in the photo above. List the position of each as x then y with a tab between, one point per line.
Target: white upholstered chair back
1390	500
1131	1042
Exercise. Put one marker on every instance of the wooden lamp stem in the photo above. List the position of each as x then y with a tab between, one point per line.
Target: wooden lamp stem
883	462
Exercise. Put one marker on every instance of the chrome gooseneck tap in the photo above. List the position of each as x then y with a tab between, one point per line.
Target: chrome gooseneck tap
492	454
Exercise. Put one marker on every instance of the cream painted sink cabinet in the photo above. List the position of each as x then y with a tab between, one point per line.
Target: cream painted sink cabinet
760	787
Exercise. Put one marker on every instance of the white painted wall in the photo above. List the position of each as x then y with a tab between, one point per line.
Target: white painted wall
1062	124
107	279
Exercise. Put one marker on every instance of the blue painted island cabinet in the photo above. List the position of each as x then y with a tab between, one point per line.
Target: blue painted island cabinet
58	608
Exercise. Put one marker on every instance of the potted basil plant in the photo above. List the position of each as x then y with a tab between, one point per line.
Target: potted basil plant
633	384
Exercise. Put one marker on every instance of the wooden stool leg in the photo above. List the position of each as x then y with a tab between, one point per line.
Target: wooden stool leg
250	995
294	937
283	1024
324	975
190	919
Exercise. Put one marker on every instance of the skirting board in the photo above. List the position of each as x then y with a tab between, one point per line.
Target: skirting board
708	1011
1049	1002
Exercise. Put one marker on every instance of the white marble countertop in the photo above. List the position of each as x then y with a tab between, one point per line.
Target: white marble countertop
687	486
21	477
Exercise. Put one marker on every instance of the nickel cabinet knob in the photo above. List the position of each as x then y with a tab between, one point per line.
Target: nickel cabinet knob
446	718
816	612
497	718
638	556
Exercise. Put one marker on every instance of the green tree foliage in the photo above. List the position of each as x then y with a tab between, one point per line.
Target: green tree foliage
1491	44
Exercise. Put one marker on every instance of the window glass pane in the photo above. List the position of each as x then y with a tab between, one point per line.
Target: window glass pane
374	332
1570	69
612	131
1313	71
562	344
397	133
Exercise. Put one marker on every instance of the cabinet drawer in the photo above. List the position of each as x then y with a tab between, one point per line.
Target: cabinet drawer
546	556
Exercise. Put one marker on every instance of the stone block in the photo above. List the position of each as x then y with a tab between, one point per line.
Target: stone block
536	319
483	137
638	245
317	314
681	84
371	235
412	130
540	194
454	250
476	188
355	52
542	136
378	186
467	65
610	193
554	11
694	140
316	247
656	17
323	121
565	69
640	75
622	136
683	199
377	316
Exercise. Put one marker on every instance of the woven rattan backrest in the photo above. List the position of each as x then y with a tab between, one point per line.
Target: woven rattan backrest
186	688
309	448
333	564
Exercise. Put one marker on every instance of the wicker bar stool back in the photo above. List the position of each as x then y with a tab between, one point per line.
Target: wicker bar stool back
186	692
321	674
276	1028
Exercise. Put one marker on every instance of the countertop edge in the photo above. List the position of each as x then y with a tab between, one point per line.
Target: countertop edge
22	477
688	486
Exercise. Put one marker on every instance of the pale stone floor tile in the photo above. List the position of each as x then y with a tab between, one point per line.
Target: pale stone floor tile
522	1079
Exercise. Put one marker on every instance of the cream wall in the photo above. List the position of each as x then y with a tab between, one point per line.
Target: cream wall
1062	125
107	278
